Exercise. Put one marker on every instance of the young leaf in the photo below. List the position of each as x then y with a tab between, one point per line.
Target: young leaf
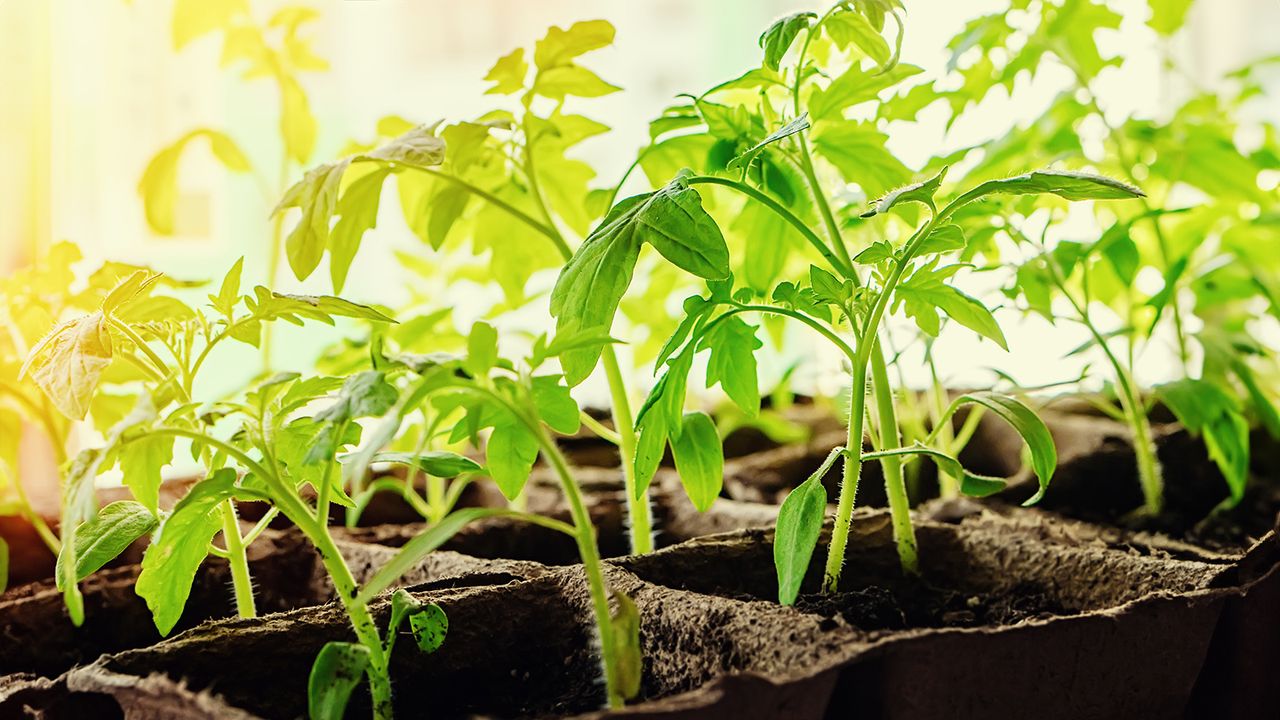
510	455
556	407
141	461
179	546
733	362
1065	184
1044	455
798	125
229	292
508	73
336	672
699	459
777	39
925	293
113	529
78	505
366	394
796	534
1205	409
420	546
848	28
944	238
437	463
482	349
592	283
921	192
429	625
69	362
4	566
628	661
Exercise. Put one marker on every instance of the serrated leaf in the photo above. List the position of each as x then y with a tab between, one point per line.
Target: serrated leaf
559	47
848	28
229	291
69	362
508	73
592	283
733	362
556	407
855	86
944	238
180	546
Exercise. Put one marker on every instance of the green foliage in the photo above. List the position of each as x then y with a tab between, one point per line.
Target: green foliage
587	294
336	672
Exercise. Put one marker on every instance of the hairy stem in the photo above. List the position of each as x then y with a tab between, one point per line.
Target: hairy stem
849	484
344	584
894	485
639	514
238	560
584	534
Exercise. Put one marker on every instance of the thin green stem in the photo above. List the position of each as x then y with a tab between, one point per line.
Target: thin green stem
639	513
584	533
238	560
894	485
844	268
599	428
849	484
548	231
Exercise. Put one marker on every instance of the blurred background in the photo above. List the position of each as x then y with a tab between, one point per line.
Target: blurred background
93	90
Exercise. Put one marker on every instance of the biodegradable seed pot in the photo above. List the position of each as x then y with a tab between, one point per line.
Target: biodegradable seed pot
779	504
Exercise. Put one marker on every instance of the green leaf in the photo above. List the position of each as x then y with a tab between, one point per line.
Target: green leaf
560	47
798	125
1044	456
971	484
336	672
733	362
429	625
1204	409
628	666
508	73
855	86
699	459
777	39
482	349
651	445
558	82
141	461
592	283
179	547
420	546
68	363
858	151
78	505
297	123
316	195
268	305
850	29
925	293
797	530
229	291
510	455
921	192
1063	183
874	254
4	566
556	407
113	529
358	211
944	238
437	463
